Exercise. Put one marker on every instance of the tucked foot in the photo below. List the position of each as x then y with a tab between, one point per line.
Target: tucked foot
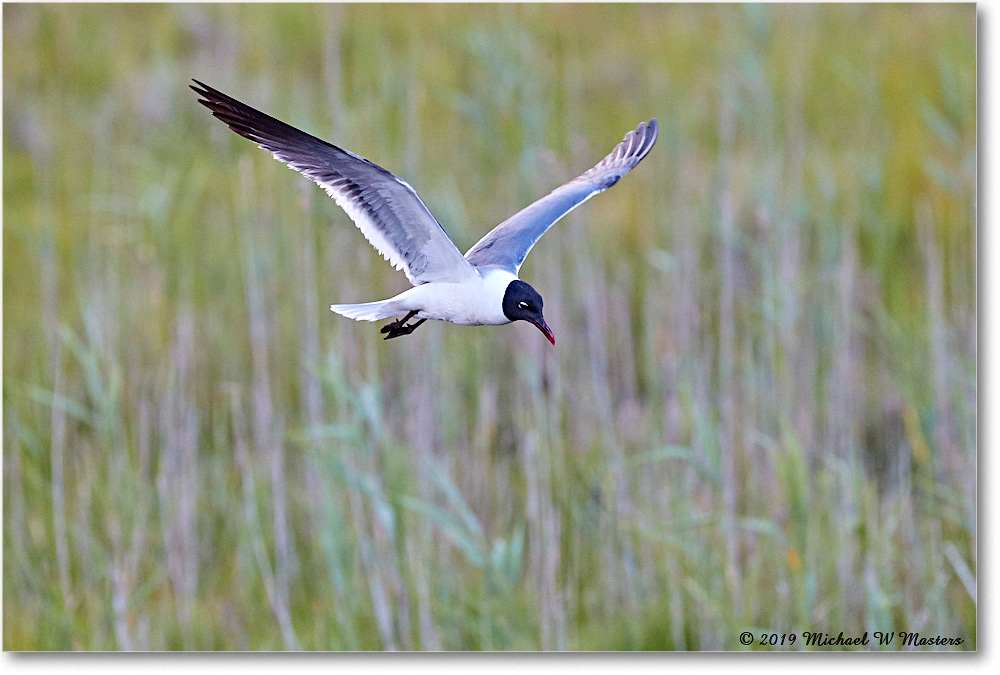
397	324
401	330
399	327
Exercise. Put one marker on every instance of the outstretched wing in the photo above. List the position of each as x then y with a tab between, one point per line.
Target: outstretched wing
385	208
508	243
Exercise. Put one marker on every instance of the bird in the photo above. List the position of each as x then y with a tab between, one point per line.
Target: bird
479	288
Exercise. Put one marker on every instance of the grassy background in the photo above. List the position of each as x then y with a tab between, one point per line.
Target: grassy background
760	413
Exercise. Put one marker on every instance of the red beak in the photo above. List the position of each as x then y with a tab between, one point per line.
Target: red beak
546	331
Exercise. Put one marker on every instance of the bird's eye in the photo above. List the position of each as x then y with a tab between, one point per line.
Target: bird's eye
522	305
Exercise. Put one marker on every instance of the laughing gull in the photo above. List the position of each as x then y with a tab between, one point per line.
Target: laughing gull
479	288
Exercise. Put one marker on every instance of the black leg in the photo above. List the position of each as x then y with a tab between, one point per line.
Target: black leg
396	325
402	330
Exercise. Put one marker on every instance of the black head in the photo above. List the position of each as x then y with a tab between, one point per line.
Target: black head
521	302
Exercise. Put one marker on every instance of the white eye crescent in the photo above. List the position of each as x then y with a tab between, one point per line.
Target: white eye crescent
522	305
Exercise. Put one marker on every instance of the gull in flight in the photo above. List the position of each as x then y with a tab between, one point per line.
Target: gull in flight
477	289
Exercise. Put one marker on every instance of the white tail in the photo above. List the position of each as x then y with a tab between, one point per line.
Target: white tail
368	311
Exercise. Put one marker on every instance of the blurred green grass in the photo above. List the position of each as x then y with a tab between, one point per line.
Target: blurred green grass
760	415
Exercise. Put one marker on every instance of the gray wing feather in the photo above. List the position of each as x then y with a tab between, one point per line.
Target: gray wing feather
385	208
508	243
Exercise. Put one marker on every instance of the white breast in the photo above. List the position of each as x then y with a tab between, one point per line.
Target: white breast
477	302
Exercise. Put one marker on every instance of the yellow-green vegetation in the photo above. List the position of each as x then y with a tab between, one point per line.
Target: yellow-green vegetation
760	413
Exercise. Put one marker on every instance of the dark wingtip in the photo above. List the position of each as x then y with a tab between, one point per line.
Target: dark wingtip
228	110
210	95
203	91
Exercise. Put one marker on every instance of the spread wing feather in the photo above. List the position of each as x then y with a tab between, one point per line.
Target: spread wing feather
508	243
389	213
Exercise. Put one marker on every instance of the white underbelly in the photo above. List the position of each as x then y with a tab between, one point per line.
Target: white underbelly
468	304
